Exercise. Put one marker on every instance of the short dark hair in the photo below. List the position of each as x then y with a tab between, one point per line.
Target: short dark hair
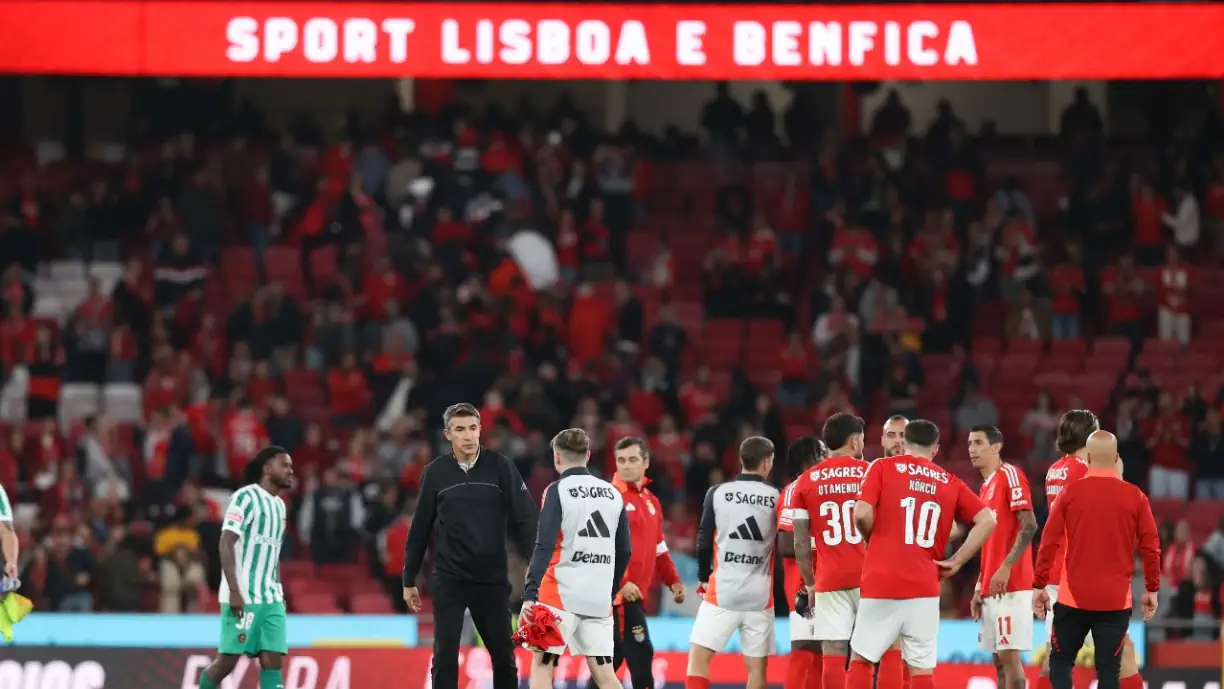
1074	428
630	441
754	451
993	435
461	410
803	453
840	427
921	433
253	471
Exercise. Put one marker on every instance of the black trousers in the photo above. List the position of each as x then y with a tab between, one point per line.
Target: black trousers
632	638
1071	626
490	608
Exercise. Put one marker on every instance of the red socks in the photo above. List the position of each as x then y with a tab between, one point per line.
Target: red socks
833	669
891	674
922	682
695	682
799	664
1135	681
815	673
905	673
861	675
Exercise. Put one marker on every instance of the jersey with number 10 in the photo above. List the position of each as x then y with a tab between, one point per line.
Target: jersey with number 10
915	503
825	496
258	517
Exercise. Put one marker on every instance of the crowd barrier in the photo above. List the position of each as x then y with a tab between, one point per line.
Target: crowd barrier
366	668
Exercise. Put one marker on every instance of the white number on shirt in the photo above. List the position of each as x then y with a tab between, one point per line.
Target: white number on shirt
839	523
921	522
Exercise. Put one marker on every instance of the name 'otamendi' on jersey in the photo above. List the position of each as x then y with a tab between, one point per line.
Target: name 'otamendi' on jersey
735	543
259	519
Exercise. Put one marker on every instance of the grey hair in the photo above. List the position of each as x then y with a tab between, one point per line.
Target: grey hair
459	410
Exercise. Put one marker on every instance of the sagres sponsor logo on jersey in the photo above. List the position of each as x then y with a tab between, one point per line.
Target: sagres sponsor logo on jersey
595	527
749	530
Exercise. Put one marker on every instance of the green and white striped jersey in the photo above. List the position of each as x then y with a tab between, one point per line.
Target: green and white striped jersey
258	517
6	507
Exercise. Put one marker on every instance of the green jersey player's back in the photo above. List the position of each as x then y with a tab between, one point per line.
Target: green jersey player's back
6	507
258	518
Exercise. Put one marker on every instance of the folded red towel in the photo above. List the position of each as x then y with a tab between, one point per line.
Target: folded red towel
538	629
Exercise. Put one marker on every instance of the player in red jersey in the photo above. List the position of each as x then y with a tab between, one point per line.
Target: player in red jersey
1003	596
892	437
1072	438
906	508
892	673
244	435
803	668
824	511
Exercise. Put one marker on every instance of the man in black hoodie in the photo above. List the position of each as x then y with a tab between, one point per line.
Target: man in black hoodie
468	498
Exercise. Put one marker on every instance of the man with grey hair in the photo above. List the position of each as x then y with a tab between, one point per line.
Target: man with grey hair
471	495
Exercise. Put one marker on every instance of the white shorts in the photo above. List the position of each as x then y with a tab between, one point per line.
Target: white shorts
834	613
802	628
1007	622
882	621
713	627
591	637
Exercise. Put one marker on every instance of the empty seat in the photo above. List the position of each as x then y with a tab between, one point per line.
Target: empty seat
78	401
123	401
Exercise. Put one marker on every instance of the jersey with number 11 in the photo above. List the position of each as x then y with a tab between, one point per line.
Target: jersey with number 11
915	503
825	495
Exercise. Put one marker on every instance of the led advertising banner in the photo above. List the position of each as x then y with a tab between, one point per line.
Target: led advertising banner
569	41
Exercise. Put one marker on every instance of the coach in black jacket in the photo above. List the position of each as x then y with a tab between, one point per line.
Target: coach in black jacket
469	495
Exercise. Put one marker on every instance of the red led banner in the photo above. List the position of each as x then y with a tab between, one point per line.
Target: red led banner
327	39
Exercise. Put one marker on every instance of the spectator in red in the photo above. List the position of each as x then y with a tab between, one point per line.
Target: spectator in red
1173	313
936	246
1175	561
45	364
262	384
1168	438
1124	290
348	392
447	229
590	324
596	238
853	248
698	397
313	454
391	542
567	247
244	433
496	412
163	386
793	365
1067	286
670	453
835	400
1147	208
761	249
645	407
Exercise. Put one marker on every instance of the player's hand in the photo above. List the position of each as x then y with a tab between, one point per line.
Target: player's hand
975	606
948	567
677	591
412	596
1041	603
525	611
237	604
1148	604
701	590
998	583
631	593
811	593
10	570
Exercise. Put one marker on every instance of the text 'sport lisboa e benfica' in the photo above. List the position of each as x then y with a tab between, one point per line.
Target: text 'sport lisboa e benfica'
317	39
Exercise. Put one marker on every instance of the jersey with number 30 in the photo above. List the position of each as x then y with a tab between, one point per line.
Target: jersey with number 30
915	503
825	496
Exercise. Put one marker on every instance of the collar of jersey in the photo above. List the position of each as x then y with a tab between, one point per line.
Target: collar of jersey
472	461
576	471
750	477
620	484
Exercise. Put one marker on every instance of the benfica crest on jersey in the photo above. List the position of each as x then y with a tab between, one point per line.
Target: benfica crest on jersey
900	468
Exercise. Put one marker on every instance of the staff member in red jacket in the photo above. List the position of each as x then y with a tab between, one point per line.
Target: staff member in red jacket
1099	521
649	552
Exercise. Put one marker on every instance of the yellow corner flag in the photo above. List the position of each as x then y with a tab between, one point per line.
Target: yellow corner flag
13	608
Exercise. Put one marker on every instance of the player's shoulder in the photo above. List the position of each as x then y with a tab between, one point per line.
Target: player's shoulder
1014	475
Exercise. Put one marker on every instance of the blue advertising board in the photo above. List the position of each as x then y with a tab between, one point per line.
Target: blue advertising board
958	639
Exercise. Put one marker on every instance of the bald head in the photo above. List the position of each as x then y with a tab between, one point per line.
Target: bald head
1102	449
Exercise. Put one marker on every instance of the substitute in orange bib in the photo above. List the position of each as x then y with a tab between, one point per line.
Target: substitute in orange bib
580	556
1003	596
1100	521
735	549
650	555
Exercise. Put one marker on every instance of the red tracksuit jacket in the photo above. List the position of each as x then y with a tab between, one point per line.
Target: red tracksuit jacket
646	534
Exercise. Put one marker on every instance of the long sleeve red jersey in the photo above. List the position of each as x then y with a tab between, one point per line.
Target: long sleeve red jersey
1099	521
646	534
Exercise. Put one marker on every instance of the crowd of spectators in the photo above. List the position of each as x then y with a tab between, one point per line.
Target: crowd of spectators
333	291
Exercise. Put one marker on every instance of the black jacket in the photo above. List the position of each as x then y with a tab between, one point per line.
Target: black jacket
468	512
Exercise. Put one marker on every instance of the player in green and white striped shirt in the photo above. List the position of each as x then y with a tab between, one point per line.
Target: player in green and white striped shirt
251	596
8	537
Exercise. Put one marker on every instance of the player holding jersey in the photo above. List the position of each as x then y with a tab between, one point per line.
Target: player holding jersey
906	508
824	511
735	549
251	596
1003	596
803	664
1072	440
